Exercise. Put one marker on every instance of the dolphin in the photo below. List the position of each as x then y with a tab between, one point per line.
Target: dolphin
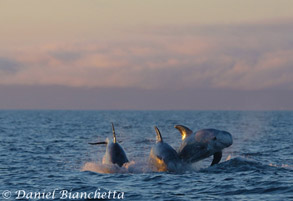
202	144
162	156
114	152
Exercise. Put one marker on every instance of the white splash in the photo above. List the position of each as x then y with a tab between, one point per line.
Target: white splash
282	165
130	167
229	157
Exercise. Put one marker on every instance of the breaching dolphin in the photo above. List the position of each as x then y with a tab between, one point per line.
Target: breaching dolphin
114	152
162	156
202	144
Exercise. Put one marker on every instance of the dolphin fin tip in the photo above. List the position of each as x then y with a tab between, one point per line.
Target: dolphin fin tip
184	131
159	136
114	134
217	158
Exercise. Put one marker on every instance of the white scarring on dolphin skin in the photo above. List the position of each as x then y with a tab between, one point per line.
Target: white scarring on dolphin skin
114	152
162	156
202	144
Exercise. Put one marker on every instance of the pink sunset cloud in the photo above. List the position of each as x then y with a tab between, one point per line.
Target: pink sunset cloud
228	58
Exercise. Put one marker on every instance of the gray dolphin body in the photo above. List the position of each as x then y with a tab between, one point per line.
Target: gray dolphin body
162	156
202	144
114	152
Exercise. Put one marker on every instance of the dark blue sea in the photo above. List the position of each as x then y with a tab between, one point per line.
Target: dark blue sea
46	152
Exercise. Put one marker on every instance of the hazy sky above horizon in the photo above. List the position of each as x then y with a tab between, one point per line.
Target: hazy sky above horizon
208	51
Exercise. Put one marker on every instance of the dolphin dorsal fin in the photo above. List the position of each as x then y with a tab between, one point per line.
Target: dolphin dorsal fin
185	132
114	135
159	136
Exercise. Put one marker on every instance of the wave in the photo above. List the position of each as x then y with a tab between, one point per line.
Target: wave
240	164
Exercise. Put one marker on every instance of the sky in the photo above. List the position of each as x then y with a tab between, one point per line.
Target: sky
146	55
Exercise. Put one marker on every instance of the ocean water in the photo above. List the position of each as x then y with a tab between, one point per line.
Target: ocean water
47	152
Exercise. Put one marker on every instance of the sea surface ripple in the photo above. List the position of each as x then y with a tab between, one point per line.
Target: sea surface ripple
47	150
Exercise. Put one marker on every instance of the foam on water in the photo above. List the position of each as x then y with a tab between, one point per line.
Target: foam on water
135	166
130	167
236	164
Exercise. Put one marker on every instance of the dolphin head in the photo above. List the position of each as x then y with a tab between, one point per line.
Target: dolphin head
224	139
216	139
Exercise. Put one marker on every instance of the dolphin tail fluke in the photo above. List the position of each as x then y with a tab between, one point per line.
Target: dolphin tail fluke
114	135
159	136
185	132
217	158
